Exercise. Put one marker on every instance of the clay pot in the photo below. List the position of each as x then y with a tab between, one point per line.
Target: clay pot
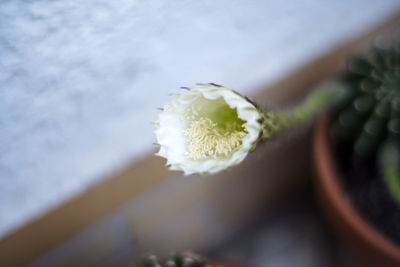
373	248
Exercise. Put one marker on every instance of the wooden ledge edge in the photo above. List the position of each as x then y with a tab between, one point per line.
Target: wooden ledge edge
46	232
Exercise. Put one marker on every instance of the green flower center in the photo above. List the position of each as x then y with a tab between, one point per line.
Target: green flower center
214	131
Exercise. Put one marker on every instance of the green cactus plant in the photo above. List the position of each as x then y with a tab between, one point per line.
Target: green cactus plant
184	259
368	118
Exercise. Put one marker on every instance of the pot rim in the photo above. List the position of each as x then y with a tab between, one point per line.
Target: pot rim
329	182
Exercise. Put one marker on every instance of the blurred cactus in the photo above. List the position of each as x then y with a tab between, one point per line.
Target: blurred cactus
185	259
369	117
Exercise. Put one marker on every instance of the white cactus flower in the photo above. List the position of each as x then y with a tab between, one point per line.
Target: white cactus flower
207	129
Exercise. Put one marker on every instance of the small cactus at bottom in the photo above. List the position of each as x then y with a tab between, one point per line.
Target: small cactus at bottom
184	259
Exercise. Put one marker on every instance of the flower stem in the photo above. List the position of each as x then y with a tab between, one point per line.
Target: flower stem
318	100
322	97
275	122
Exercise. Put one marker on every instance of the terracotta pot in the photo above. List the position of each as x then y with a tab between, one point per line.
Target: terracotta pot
372	247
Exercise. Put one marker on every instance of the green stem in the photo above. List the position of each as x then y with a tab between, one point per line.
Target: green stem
323	97
390	164
320	99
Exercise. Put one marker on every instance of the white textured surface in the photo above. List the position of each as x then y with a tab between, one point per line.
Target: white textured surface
80	80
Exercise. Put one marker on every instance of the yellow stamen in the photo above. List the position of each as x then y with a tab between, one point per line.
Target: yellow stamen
205	139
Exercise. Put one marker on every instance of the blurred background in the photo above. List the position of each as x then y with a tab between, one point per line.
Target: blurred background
80	84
